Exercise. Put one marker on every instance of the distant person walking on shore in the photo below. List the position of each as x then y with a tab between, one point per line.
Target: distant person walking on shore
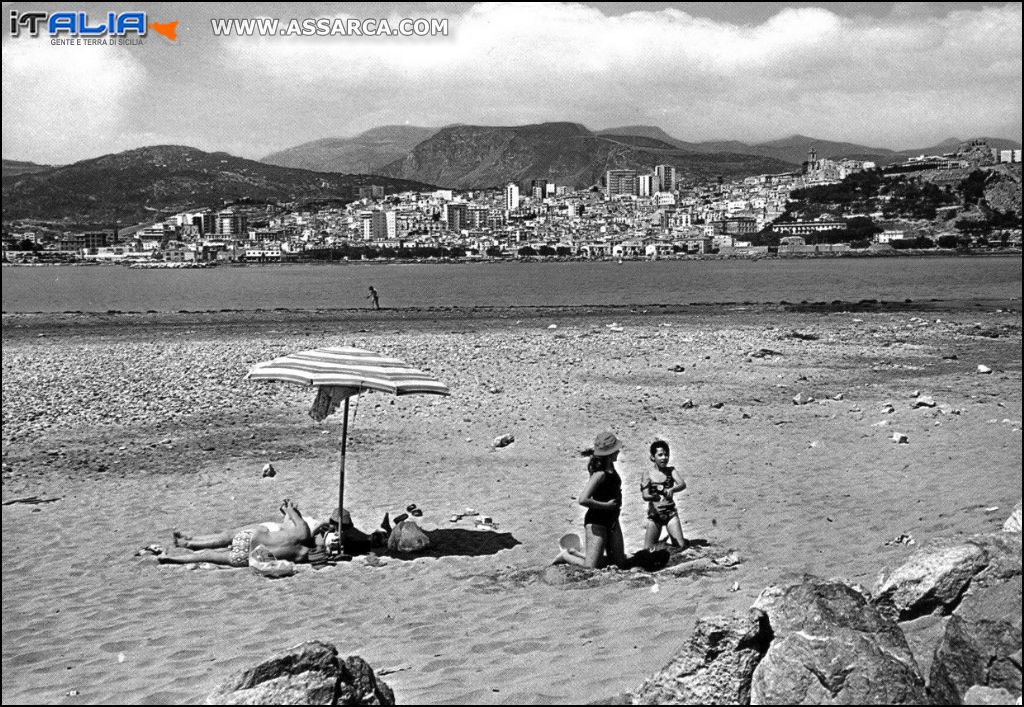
375	297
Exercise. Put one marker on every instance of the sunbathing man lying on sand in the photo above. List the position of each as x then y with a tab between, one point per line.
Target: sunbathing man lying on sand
294	539
291	540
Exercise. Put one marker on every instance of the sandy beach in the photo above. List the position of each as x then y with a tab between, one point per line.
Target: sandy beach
118	429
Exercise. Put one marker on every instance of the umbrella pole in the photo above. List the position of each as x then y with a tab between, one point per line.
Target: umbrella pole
341	478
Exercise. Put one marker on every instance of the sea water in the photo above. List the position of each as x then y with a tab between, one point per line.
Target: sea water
495	284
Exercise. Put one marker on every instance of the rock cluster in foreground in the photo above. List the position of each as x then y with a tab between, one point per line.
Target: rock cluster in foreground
309	674
823	641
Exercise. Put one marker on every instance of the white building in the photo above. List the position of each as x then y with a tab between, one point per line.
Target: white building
264	251
888	236
511	197
645	184
658	250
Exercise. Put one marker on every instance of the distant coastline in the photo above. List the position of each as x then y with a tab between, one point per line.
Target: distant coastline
823	255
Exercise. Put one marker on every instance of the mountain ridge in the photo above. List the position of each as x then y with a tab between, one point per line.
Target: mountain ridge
479	156
794	148
133	185
363	153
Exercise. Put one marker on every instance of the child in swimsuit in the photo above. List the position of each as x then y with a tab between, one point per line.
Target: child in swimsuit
658	486
602	498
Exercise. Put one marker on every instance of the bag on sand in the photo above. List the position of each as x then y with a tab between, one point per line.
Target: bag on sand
263	562
407	537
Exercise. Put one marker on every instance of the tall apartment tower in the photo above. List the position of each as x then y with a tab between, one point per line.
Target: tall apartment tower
383	225
511	196
621	181
457	216
230	223
646	184
539	188
666	177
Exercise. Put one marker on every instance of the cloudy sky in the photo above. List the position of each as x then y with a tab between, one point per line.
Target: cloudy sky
900	75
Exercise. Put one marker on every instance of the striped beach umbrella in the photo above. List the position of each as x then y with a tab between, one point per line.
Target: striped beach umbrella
339	372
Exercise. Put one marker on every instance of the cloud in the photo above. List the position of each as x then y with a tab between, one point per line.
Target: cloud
908	78
68	101
808	66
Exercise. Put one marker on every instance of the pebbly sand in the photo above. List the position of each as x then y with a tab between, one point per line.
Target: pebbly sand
118	429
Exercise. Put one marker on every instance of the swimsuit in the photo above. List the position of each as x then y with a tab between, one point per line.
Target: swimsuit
240	547
610	489
664	509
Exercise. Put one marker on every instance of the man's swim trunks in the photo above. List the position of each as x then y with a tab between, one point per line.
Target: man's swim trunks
241	545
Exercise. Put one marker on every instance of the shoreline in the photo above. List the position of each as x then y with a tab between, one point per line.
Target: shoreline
1003	252
21	324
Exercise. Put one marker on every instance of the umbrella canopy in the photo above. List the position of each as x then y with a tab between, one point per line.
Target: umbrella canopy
340	372
348	367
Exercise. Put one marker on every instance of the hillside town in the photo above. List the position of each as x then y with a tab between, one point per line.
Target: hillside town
633	213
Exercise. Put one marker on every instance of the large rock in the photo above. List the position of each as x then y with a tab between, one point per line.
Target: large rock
831	646
982	643
933	579
1012	524
979	695
309	674
1004	558
715	667
976	586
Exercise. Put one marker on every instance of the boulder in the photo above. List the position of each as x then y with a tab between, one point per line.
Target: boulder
715	667
503	441
1004	558
934	578
830	646
308	674
982	643
979	695
1012	524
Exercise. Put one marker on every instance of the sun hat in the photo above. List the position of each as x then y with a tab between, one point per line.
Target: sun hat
605	444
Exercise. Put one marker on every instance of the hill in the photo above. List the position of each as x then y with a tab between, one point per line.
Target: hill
364	154
793	149
145	183
12	168
655	133
951	144
477	156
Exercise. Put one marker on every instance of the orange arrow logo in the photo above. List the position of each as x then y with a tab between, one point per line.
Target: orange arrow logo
167	29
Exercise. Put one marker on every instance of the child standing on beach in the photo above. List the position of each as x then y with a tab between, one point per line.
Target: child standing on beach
658	486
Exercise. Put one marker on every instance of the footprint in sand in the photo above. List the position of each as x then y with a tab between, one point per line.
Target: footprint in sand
118	646
525	647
